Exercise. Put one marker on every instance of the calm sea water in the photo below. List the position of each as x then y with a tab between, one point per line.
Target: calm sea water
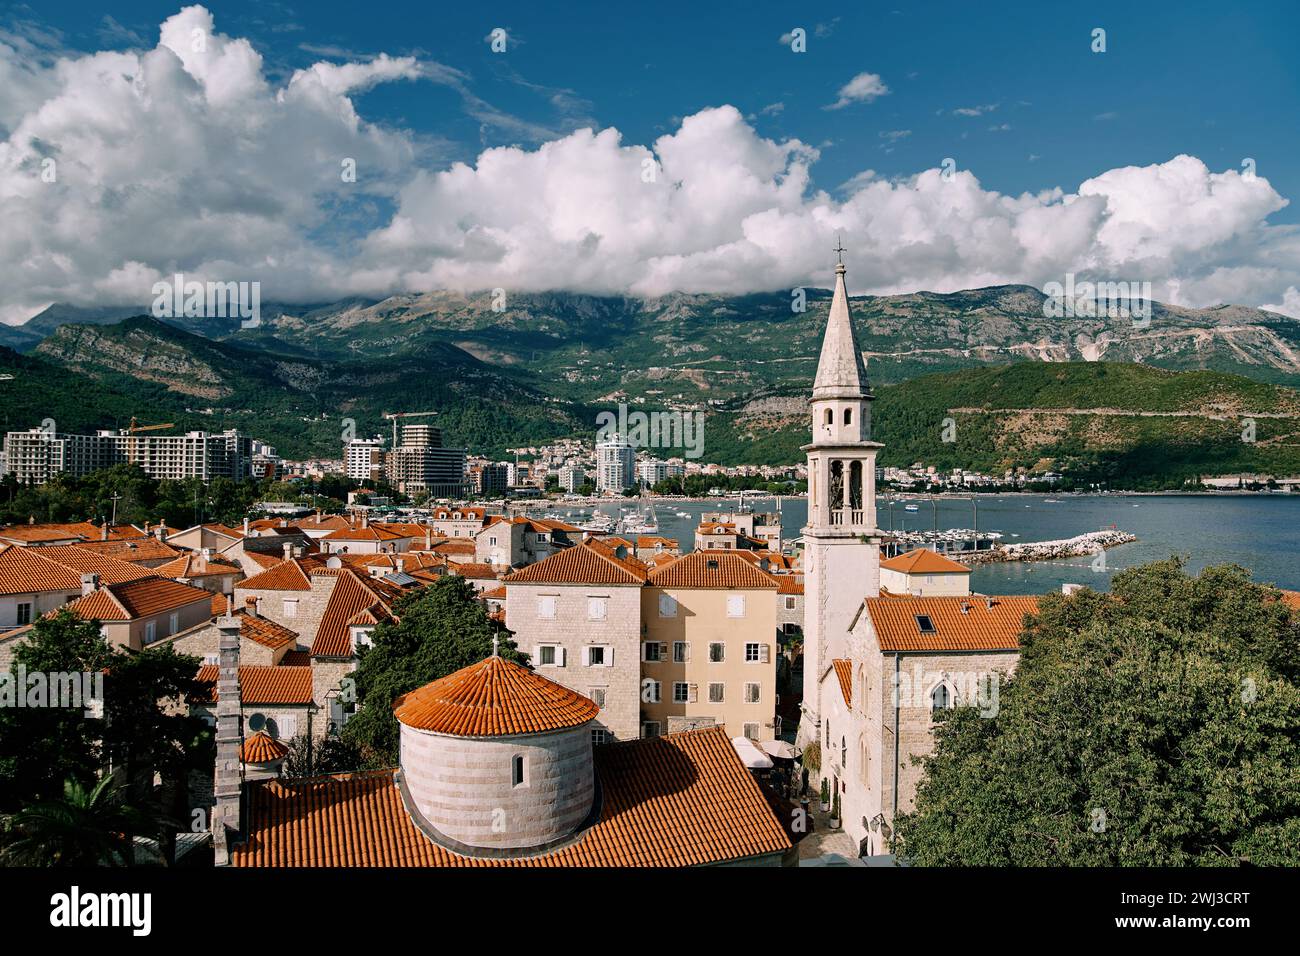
1261	533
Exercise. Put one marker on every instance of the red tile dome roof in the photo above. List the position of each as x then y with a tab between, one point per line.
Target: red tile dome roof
493	698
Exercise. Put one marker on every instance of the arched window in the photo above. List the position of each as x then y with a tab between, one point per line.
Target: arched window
940	698
848	416
855	485
830	416
517	771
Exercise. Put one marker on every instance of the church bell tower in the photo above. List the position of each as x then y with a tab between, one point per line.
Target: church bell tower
841	540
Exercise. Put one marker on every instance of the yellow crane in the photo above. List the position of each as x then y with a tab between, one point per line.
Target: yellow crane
132	449
396	415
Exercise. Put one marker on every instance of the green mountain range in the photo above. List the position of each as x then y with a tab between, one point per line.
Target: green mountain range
1139	403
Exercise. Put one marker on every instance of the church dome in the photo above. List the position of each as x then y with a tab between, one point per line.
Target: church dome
494	698
496	759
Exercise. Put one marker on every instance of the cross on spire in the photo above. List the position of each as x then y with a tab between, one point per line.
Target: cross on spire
839	249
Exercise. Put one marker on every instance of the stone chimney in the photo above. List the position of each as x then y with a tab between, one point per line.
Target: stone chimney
365	520
226	779
400	562
250	605
288	550
245	526
103	531
428	538
160	532
89	583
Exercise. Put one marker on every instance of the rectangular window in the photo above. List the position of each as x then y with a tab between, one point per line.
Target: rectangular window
751	731
717	652
546	606
599	736
681	652
290	607
735	605
25	613
751	653
789	604
173	623
681	692
751	693
287	725
597	694
550	654
716	693
596	654
650	651
650	728
517	770
667	605
150	631
596	608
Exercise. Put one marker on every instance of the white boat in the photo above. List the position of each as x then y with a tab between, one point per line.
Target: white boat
911	508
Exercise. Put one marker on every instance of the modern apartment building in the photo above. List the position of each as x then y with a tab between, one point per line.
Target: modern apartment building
615	465
37	455
421	463
363	459
572	477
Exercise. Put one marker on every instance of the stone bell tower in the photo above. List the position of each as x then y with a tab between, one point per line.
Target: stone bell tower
841	541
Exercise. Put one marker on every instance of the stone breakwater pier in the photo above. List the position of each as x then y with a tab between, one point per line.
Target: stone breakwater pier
1083	544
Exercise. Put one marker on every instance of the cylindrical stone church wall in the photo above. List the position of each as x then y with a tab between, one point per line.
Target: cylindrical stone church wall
464	786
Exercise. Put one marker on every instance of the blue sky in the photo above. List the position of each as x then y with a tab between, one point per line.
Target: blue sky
1012	92
1219	81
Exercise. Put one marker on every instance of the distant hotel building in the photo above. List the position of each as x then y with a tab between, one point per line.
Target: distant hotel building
363	459
571	478
36	456
421	463
494	479
615	465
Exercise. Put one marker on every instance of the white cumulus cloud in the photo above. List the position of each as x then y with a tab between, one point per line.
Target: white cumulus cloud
186	158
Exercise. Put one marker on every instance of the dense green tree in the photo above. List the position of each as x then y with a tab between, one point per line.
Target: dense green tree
85	826
43	747
442	628
1157	725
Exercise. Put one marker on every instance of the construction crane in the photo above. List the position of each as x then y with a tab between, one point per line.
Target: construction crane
132	449
396	415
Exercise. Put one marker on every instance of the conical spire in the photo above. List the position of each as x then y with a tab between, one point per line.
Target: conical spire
840	372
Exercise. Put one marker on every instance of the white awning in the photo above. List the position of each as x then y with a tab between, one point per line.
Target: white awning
751	755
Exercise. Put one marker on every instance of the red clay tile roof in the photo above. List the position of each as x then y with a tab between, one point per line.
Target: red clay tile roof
455	546
712	569
262	748
352	594
497	593
788	583
373	533
924	561
36	533
296	658
470	569
131	549
83	561
677	800
1291	599
978	629
192	565
137	599
291	575
844	671
586	563
261	684
493	698
265	561
264	631
23	570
